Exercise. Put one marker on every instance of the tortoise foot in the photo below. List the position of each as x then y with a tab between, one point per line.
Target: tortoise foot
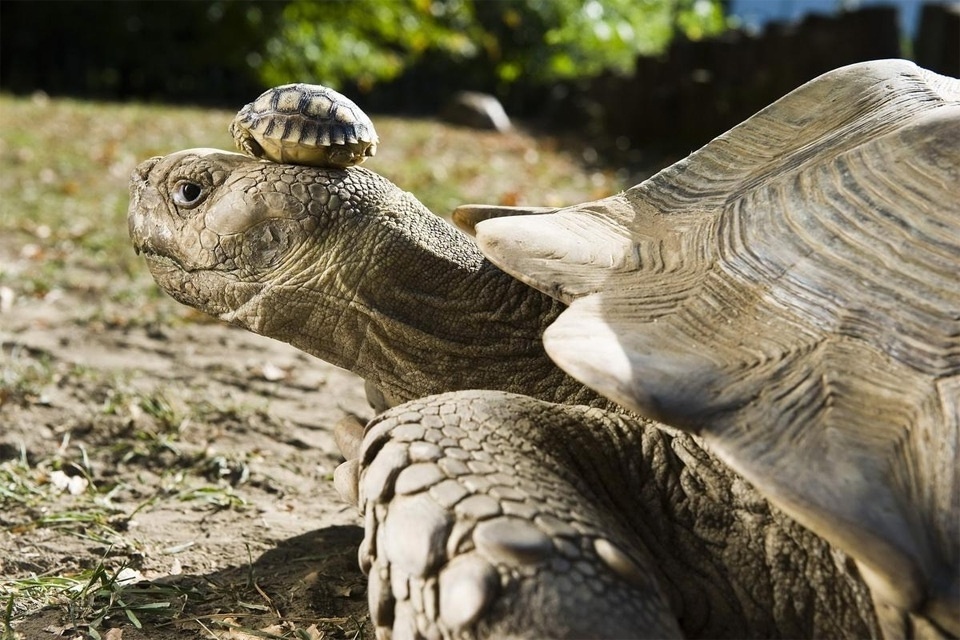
469	535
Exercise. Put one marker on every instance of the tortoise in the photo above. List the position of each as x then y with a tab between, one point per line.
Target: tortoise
724	403
307	124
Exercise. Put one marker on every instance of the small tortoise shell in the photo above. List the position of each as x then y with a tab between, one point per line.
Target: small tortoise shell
306	124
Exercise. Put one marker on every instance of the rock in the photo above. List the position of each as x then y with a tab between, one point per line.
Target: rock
476	110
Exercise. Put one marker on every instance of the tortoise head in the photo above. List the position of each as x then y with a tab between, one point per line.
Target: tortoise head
342	264
212	235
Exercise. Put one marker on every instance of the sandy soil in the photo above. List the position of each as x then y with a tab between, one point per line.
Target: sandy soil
210	451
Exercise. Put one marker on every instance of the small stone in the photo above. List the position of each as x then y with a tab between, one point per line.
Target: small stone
476	110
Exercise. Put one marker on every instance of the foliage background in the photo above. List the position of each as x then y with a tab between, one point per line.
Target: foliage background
625	74
223	51
497	44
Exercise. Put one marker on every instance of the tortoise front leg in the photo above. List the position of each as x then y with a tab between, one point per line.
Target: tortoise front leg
470	534
489	514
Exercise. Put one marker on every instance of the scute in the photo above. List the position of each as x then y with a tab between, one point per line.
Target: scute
305	124
790	293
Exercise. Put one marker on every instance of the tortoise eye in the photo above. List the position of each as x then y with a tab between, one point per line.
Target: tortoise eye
187	194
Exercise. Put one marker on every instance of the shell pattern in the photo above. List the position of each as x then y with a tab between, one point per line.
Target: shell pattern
790	292
305	124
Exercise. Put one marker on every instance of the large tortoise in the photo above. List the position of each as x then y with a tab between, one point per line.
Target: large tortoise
784	301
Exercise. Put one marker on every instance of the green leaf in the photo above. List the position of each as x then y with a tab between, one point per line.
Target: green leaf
369	41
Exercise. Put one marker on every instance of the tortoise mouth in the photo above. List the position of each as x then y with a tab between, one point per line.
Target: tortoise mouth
193	286
162	261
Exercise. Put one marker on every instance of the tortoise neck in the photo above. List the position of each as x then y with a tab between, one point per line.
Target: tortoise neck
427	313
451	320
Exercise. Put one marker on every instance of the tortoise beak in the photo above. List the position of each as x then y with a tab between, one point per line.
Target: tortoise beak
142	198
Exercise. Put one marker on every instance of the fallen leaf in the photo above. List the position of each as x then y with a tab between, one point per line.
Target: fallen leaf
7	296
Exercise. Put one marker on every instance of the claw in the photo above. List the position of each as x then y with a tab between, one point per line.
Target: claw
348	434
345	480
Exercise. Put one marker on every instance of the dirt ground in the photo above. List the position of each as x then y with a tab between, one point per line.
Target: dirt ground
212	454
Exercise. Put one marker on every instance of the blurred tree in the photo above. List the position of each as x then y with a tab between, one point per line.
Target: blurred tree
365	41
362	42
563	39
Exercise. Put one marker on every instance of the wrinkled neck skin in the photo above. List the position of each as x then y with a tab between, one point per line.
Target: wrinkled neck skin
346	266
427	313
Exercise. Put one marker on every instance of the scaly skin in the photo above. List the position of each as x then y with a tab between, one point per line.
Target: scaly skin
487	513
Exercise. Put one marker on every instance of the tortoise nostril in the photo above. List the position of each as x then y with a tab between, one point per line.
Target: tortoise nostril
144	168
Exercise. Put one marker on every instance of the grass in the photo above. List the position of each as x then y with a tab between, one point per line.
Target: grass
58	493
66	494
38	495
64	166
33	496
92	597
95	599
22	377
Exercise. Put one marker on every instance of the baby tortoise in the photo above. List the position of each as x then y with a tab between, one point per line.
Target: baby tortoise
305	124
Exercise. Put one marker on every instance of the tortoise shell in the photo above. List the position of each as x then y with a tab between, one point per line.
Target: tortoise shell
790	293
305	124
